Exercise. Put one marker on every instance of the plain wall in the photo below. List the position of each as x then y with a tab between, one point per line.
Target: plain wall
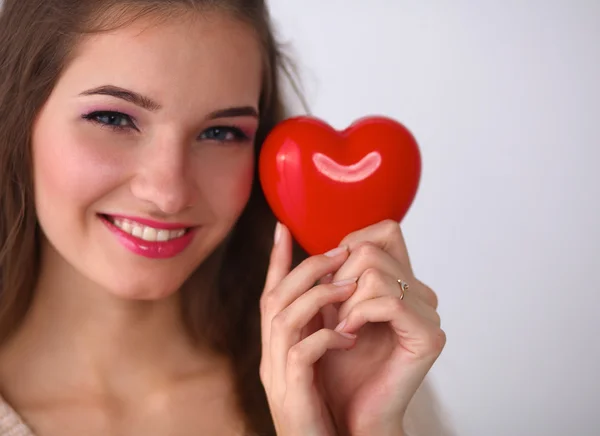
504	99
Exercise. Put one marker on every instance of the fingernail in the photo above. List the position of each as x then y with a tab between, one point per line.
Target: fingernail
277	232
341	326
336	251
345	282
348	335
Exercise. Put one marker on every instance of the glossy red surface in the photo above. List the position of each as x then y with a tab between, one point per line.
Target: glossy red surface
324	184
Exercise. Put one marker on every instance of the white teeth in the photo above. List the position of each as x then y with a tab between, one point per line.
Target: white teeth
126	226
163	235
176	234
146	233
137	231
149	234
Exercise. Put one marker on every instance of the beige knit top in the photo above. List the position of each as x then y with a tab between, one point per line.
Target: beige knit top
11	424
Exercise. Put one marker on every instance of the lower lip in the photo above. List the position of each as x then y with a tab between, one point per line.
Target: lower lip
152	250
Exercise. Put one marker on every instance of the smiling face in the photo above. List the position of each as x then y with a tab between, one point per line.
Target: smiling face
143	154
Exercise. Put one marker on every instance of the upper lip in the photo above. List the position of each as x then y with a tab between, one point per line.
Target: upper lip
152	223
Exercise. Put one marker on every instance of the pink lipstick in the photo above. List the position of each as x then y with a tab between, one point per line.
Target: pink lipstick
156	249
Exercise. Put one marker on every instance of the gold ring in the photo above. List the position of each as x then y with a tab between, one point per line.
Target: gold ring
403	288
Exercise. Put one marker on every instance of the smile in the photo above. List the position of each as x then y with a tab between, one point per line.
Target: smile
158	241
146	233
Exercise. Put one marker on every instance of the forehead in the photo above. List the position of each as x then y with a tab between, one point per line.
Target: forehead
208	57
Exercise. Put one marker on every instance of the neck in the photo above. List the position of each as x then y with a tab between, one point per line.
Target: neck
82	336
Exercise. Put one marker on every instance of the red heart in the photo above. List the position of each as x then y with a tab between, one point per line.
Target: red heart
324	184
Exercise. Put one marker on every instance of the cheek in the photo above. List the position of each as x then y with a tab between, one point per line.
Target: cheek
228	184
70	171
242	184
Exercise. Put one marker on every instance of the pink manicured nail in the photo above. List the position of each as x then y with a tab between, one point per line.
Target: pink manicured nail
277	232
345	282
341	326
336	251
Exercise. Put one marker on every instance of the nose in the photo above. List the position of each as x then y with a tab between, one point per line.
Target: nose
163	177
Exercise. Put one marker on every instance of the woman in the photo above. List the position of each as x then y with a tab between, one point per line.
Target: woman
136	245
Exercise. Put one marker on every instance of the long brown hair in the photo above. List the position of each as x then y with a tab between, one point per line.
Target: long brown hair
37	39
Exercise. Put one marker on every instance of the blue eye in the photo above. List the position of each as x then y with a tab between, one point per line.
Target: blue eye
114	120
224	134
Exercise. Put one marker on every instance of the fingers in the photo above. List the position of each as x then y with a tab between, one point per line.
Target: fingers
289	322
279	266
282	287
302	278
302	356
367	255
305	411
387	236
374	283
281	257
421	337
287	325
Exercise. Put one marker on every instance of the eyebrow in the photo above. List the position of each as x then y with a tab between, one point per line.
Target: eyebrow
124	94
152	106
242	111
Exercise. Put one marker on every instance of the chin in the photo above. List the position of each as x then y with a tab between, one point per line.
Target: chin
148	289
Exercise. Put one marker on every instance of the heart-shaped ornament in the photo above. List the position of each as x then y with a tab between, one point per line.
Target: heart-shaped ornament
324	184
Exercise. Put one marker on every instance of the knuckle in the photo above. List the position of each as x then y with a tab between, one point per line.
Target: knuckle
436	341
281	322
263	373
391	227
429	295
439	341
365	250
296	356
267	301
372	277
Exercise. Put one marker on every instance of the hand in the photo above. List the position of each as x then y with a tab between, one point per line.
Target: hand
293	337
369	387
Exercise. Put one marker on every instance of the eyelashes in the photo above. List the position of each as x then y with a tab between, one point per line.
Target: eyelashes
113	120
224	134
123	123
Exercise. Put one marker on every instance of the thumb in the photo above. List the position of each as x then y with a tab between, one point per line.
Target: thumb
281	257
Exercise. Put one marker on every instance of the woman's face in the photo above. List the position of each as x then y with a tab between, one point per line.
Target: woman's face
143	154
